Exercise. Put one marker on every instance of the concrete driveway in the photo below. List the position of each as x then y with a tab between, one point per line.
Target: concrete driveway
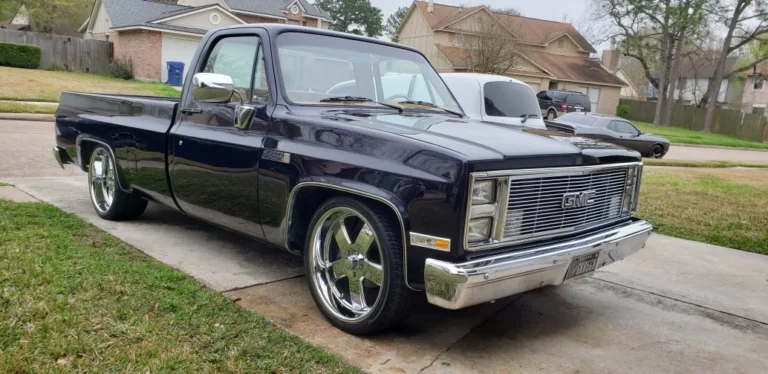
677	306
695	153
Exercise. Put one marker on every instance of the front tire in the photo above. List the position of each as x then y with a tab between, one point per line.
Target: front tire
354	265
551	115
109	201
657	151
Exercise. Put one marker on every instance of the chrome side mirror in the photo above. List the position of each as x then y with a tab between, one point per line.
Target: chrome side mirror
213	88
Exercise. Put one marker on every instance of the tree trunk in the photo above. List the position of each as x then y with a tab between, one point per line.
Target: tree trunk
673	80
714	89
664	79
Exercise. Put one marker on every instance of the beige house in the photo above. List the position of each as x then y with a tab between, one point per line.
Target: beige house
555	55
151	33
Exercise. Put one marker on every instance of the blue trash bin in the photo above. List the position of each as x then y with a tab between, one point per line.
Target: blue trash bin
175	73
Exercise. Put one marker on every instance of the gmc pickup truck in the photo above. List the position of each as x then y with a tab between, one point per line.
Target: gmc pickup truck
385	194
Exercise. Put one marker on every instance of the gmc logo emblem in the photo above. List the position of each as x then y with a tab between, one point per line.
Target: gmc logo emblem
578	199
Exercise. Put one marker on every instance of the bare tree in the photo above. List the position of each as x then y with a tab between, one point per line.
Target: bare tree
489	46
747	23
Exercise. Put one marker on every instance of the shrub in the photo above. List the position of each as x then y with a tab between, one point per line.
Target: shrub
622	110
121	69
20	55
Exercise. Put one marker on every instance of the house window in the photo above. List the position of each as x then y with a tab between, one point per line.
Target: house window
459	38
303	23
757	83
106	37
293	22
758	109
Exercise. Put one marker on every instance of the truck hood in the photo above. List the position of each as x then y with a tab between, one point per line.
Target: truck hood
488	145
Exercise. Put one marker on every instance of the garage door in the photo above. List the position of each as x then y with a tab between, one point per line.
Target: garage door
535	86
178	49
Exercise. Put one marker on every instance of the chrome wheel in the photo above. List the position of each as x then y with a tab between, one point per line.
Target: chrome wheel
551	115
102	180
346	264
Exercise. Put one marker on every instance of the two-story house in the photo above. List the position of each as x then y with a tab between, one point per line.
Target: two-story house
555	54
694	77
152	32
755	96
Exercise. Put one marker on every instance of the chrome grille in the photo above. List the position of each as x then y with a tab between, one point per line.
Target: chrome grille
535	205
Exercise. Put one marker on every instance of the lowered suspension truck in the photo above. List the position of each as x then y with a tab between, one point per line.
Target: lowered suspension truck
389	192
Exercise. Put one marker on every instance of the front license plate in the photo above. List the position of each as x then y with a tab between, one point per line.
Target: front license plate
582	265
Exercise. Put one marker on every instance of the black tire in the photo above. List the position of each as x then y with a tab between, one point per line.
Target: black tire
551	114
123	206
657	151
394	298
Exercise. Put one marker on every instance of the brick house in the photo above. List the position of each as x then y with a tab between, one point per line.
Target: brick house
755	96
153	32
556	56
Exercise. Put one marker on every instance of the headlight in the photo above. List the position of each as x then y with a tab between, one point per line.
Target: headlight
483	192
631	190
479	229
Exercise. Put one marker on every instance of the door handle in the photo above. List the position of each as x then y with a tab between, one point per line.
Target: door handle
189	111
243	115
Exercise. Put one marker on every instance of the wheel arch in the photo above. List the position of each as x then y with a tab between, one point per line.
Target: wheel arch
306	198
86	144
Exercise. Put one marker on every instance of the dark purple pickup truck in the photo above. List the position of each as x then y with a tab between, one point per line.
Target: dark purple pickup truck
387	192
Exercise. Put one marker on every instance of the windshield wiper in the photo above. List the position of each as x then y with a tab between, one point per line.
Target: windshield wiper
424	103
526	116
341	99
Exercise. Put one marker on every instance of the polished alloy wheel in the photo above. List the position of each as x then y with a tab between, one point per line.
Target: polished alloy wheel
102	180
346	264
551	115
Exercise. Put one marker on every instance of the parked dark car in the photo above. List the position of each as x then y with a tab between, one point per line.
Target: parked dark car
383	194
555	103
611	129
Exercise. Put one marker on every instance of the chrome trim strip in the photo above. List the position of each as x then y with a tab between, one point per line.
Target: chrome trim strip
57	155
416	236
505	176
289	211
111	152
459	285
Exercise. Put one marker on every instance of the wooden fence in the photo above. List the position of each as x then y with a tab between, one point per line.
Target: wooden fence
727	121
65	52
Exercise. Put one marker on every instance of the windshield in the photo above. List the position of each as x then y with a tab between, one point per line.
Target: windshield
316	68
508	99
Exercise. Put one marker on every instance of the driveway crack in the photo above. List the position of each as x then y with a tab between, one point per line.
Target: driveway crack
469	332
683	301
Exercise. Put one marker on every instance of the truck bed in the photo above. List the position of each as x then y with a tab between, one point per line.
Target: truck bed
135	127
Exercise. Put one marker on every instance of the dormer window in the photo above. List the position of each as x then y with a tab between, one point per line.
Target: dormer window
758	82
295	9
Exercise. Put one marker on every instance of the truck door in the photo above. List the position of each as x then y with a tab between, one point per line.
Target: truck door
217	140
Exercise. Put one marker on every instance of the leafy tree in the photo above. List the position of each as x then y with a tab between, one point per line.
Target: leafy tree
394	21
354	16
8	9
505	10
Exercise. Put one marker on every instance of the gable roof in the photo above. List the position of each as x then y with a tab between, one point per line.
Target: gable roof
529	30
142	13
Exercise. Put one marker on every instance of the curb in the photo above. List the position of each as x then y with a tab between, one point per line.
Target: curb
718	147
28	117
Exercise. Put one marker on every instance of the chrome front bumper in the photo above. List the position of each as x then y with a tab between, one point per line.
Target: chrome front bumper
456	286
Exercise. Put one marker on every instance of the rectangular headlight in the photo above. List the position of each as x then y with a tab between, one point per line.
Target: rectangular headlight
483	192
479	229
631	189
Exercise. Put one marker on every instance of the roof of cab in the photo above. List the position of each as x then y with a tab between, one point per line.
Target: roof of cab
278	28
482	78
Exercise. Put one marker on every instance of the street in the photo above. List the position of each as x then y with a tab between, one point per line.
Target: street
676	306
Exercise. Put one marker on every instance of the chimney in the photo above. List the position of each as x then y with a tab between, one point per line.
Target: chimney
611	58
431	6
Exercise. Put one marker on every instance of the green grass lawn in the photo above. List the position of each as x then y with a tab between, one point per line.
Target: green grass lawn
74	299
685	136
44	85
726	207
703	164
9	107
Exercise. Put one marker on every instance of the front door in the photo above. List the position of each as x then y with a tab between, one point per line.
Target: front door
213	163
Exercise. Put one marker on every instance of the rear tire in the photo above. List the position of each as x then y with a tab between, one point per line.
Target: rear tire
108	200
551	114
354	266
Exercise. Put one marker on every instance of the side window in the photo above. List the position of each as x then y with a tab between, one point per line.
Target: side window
543	96
559	97
234	57
623	127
